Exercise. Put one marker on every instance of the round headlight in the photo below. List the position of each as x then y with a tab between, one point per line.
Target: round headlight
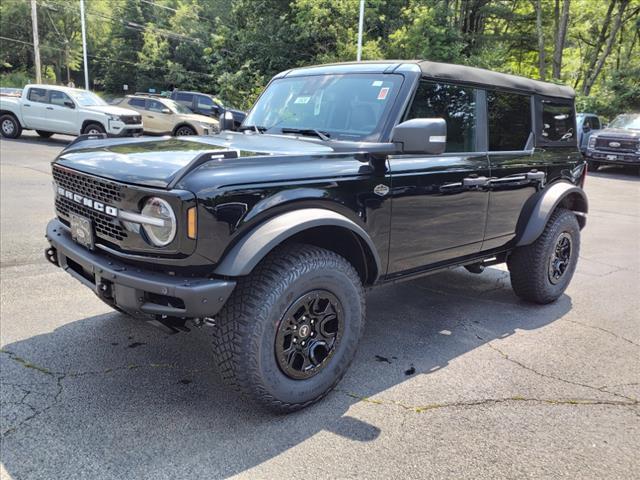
160	235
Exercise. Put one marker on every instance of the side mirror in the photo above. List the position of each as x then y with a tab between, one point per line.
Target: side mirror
165	110
226	121
421	135
69	104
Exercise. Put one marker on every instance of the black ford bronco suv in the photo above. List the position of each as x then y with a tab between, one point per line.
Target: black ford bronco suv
342	177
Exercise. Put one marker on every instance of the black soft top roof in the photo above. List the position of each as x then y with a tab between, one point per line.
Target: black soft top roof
480	76
446	72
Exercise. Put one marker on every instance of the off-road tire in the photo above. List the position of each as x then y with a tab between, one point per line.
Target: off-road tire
593	165
529	265
44	134
10	126
244	339
93	128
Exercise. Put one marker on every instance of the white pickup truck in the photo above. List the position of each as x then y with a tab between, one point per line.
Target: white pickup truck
50	109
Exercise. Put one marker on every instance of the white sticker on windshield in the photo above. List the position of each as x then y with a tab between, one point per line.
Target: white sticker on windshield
377	83
303	100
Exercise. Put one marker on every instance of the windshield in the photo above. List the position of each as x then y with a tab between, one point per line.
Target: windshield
177	107
630	121
87	99
344	107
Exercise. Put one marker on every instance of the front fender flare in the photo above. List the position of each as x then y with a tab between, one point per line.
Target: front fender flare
550	198
255	245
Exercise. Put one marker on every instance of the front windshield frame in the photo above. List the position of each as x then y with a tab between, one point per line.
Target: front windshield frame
85	98
626	121
392	84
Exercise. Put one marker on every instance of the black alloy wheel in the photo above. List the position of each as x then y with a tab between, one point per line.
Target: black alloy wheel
290	329
185	130
309	334
560	257
541	271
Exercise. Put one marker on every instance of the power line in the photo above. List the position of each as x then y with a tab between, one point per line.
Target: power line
127	23
169	8
159	6
107	59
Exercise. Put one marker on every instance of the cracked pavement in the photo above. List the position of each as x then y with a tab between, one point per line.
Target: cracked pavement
455	377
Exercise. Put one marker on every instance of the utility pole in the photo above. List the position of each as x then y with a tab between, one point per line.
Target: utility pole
36	42
360	26
84	45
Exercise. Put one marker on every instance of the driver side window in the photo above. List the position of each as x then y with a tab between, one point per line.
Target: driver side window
58	98
456	105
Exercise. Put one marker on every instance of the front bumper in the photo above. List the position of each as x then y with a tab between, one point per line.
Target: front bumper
205	131
133	289
121	129
625	158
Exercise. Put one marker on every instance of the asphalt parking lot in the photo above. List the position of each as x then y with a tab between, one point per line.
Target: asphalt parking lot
455	377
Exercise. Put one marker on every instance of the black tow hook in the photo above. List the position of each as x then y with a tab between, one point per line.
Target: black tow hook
52	255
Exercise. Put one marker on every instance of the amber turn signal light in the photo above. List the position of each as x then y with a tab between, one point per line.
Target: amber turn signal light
192	224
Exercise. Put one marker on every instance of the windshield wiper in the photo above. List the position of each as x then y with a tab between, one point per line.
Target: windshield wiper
307	131
255	128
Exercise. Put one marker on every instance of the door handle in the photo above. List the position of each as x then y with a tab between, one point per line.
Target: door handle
150	116
474	181
536	175
27	105
49	108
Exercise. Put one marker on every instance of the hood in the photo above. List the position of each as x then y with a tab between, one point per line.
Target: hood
112	110
618	133
157	162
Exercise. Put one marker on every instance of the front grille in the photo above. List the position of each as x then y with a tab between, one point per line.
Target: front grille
131	119
105	191
106	226
92	187
628	145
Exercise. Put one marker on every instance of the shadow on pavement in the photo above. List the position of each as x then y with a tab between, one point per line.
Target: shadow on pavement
618	172
108	397
54	141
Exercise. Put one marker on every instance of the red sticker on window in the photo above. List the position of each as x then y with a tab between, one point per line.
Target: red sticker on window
382	94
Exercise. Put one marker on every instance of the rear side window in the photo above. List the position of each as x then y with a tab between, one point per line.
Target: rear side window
456	105
509	121
558	122
185	98
136	102
593	123
38	95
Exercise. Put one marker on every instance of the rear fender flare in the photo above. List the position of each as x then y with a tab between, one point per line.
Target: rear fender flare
548	200
242	258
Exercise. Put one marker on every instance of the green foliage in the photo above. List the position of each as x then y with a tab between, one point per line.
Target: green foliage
233	47
15	79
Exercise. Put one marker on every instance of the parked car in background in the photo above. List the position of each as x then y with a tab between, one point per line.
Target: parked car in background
50	109
618	144
10	92
165	116
208	105
587	123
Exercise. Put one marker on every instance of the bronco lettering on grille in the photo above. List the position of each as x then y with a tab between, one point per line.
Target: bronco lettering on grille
87	202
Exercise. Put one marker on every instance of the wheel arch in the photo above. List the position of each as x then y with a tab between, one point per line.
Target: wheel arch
9	112
536	214
315	226
87	122
183	124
